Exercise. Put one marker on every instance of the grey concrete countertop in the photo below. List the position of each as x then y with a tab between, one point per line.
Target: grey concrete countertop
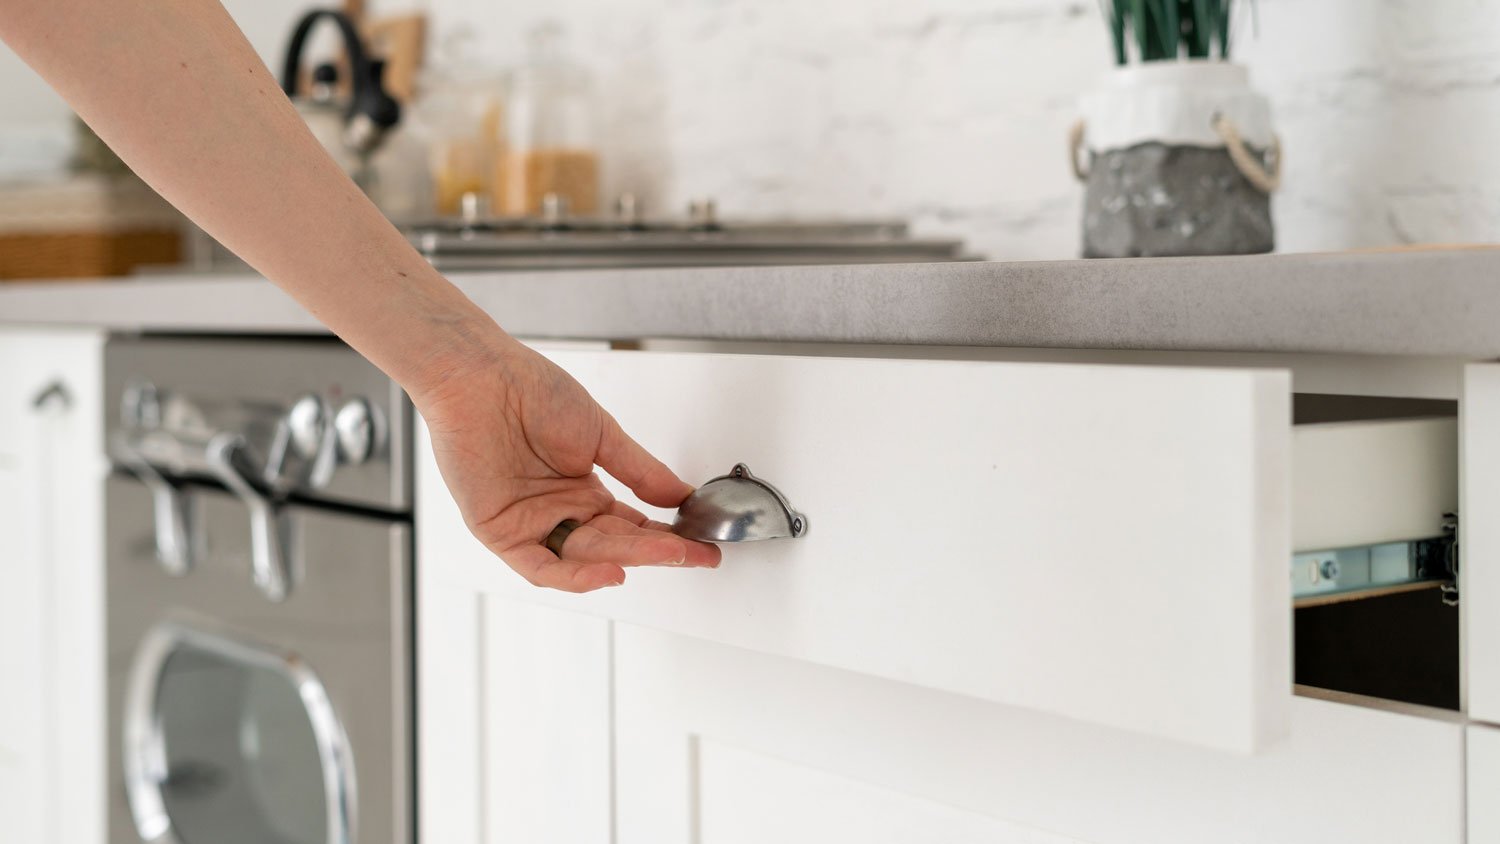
1444	303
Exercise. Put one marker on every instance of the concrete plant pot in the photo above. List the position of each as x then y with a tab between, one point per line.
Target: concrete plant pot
1177	158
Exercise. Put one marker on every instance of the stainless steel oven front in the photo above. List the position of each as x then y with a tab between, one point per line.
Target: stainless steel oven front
259	578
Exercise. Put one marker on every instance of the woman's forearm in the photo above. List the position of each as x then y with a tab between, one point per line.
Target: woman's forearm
175	89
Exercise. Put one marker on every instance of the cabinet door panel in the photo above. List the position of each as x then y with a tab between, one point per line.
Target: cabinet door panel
1484	784
23	716
703	730
749	798
52	607
1106	543
547	736
450	708
514	731
1479	540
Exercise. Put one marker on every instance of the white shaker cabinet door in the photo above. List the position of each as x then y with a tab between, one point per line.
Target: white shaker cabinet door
514	730
23	717
1484	784
51	604
718	745
1479	539
1104	543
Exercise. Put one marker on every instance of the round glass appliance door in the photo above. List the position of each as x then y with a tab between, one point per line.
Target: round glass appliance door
227	743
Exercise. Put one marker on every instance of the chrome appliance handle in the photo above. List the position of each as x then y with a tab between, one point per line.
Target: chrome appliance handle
270	551
172	516
145	761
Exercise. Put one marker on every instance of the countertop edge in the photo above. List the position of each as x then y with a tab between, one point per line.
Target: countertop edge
1440	303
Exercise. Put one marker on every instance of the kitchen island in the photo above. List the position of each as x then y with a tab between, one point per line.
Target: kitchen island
1045	592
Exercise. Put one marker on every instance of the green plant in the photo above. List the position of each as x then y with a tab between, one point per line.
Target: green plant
1169	29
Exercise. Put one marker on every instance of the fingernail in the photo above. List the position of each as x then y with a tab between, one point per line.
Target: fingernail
614	584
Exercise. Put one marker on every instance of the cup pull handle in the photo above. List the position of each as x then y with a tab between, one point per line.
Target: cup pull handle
738	507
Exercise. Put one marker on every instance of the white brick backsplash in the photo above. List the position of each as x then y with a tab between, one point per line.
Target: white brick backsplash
953	112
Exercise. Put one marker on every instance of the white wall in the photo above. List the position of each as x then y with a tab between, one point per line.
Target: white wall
953	112
28	108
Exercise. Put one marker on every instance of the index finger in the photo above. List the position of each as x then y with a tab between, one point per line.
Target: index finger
635	467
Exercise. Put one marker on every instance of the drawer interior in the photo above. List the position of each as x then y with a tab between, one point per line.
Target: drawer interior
1375	498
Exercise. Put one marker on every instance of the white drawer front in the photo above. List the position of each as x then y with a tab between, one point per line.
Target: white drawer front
1106	543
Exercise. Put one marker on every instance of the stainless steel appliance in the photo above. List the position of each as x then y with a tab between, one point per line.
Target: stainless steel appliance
555	240
259	578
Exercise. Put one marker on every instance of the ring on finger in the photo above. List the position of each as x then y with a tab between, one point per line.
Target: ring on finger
559	535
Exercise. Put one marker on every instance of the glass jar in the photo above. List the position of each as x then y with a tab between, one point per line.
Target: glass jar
460	112
550	145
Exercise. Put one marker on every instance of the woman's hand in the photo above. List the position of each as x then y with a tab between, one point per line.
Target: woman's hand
517	440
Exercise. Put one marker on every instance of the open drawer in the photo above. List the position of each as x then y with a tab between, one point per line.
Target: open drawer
1107	543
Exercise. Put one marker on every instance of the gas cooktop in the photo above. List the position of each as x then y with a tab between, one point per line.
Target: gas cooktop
554	240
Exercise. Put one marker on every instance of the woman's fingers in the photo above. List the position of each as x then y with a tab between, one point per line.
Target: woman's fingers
621	510
636	517
541	567
537	516
594	555
697	553
633	466
623	544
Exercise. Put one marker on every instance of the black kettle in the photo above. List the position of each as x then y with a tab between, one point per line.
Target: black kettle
371	112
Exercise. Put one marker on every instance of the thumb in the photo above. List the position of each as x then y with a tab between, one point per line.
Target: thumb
633	466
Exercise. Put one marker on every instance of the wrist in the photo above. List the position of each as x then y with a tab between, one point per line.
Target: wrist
456	349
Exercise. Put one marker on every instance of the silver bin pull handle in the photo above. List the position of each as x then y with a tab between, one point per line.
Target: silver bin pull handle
738	507
270	552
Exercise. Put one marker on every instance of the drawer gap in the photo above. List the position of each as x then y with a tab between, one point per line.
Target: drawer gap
1374	560
1316	408
1400	646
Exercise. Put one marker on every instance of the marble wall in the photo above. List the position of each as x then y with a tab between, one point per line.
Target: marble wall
953	112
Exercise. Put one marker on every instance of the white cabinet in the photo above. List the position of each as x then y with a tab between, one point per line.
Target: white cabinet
1484	784
719	745
1037	603
51	602
1480	539
540	724
514	734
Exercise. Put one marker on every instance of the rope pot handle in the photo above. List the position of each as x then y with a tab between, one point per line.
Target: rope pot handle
1075	146
1245	161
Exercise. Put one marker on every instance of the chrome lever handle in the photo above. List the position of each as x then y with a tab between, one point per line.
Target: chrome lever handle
270	551
171	517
